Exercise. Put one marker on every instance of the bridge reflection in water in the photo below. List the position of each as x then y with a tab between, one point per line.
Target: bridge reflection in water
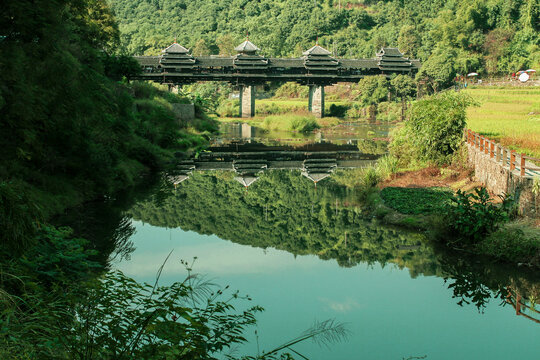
249	160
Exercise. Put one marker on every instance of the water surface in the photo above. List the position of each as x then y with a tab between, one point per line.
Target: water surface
306	250
306	253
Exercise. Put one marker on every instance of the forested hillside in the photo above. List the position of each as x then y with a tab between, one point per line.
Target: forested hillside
487	36
70	130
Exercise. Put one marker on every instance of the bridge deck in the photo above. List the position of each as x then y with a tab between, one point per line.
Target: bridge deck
209	68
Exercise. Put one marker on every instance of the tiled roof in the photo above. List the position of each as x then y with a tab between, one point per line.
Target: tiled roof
317	50
175	48
246	47
389	52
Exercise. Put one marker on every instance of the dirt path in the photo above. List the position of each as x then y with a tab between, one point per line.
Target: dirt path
434	177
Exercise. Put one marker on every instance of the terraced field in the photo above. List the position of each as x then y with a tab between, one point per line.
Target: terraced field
509	115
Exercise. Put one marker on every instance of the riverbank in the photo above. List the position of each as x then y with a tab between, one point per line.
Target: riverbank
425	184
142	139
421	200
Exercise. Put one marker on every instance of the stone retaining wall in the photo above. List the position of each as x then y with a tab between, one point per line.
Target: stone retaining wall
500	180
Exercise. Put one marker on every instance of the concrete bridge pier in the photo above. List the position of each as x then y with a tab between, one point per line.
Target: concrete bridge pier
316	100
247	101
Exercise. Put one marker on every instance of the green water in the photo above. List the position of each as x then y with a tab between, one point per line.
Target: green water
344	133
308	254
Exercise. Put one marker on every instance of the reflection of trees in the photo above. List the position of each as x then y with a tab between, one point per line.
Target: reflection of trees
105	224
285	211
477	281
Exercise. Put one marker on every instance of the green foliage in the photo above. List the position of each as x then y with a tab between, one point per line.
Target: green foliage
472	216
452	33
228	108
337	110
416	201
58	258
18	216
388	111
387	165
365	180
376	147
207	96
277	108
38	288
373	90
403	86
434	130
69	131
297	123
118	67
292	90
188	319
439	69
515	242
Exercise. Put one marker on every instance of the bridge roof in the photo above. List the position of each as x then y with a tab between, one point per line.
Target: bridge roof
175	48
317	50
388	51
287	63
247	47
359	63
148	60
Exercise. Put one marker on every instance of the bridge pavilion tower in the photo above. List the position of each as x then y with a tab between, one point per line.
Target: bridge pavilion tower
247	61
176	58
318	60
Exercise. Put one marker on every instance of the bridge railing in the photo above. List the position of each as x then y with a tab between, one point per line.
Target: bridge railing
503	155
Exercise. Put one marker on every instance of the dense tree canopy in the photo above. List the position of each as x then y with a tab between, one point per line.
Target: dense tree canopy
492	36
69	131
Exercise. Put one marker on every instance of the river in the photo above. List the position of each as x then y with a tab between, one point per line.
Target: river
301	246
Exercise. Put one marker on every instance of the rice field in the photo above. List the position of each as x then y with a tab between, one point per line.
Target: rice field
508	115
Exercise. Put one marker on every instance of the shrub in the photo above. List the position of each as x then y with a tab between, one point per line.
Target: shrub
473	216
514	242
434	130
277	108
338	110
388	111
368	146
303	124
356	112
290	122
370	177
292	90
18	216
228	107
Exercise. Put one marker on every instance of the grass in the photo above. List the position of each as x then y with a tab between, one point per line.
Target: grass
414	201
510	116
367	177
517	242
296	123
